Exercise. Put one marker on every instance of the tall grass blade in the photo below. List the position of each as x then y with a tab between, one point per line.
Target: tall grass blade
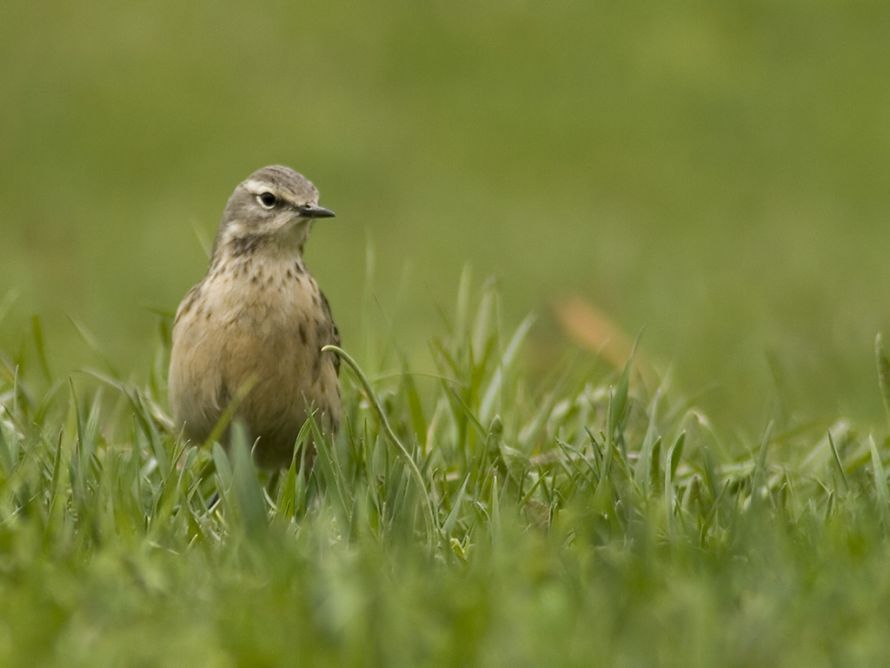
40	347
882	496
493	391
435	530
883	364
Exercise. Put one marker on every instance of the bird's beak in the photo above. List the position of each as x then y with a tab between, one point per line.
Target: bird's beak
310	211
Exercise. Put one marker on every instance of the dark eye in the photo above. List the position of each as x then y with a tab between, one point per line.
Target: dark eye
267	200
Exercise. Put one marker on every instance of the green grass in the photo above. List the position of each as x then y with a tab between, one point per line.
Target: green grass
711	175
479	514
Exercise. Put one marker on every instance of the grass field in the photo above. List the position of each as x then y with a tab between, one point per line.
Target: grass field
472	516
522	193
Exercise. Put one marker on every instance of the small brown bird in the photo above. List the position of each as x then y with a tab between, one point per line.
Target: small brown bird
250	334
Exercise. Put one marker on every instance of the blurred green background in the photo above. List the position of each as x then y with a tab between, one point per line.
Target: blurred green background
716	175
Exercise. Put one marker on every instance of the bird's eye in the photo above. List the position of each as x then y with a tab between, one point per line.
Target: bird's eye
267	200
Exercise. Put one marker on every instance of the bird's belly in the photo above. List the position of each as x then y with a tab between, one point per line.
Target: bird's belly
260	357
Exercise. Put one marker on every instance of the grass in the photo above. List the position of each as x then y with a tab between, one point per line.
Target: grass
475	515
713	175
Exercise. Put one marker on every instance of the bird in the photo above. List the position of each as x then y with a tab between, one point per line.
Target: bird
247	339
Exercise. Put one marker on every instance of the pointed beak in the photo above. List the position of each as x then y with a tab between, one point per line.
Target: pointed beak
310	211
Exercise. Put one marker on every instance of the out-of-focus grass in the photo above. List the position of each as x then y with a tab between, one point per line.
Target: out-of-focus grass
573	519
712	173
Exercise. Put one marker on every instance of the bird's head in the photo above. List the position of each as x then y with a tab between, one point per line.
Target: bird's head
272	208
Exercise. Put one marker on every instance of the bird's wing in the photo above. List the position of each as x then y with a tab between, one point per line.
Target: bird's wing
335	333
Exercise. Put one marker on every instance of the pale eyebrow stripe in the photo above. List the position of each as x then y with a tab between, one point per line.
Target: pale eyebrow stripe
255	187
